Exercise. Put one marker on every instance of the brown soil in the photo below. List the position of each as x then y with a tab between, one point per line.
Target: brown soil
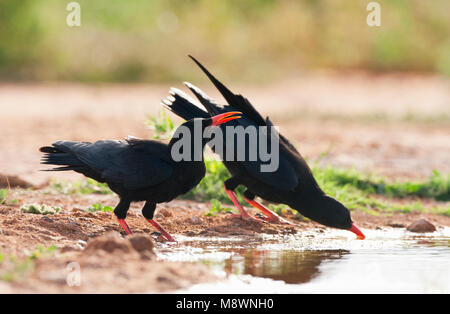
110	263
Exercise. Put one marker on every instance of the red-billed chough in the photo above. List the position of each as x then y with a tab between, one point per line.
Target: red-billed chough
292	183
139	170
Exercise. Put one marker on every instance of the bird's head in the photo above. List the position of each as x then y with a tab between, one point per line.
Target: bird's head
333	213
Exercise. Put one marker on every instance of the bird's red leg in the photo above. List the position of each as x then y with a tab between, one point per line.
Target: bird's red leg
243	214
124	225
271	216
161	229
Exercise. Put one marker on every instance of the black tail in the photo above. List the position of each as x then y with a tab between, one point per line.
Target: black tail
211	106
55	156
183	105
238	102
227	94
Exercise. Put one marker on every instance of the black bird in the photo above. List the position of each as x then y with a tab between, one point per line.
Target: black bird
136	169
292	183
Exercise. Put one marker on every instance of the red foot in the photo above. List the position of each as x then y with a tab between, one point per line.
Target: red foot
124	225
164	233
271	216
242	212
248	218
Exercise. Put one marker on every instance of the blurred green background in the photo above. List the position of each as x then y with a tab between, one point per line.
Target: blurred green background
252	40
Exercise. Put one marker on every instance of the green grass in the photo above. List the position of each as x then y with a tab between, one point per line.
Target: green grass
4	200
282	209
217	208
436	187
12	269
248	40
3	194
161	125
87	186
99	208
361	192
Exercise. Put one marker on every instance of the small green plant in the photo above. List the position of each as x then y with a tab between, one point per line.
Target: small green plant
41	251
161	125
40	209
3	194
437	186
282	210
4	200
358	191
13	269
216	208
212	185
99	207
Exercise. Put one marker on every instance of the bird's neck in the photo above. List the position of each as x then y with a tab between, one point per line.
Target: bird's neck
309	202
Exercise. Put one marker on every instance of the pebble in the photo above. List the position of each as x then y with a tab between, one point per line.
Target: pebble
46	219
110	242
158	216
421	226
164	212
82	243
141	243
195	220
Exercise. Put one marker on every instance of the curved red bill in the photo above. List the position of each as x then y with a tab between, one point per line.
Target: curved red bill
225	117
359	234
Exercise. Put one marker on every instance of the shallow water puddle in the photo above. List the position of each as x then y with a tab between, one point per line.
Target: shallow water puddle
390	260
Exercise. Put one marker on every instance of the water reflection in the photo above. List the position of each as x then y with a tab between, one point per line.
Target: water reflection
388	261
290	266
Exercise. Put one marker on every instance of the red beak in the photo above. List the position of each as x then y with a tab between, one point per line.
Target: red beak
359	234
225	117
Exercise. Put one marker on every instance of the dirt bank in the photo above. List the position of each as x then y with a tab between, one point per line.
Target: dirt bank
123	269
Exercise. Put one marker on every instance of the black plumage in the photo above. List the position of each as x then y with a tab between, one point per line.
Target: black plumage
292	183
136	169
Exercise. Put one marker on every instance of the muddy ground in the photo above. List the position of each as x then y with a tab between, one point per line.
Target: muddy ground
96	242
394	125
